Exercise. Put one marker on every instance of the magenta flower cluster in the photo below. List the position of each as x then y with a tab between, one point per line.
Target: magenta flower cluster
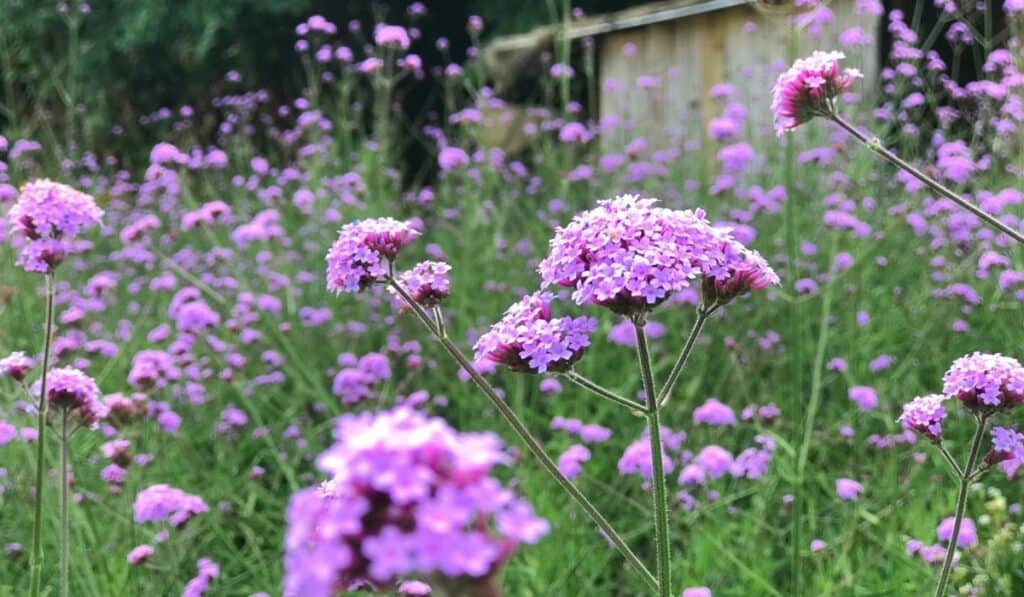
629	255
408	495
985	381
49	215
362	253
808	88
529	339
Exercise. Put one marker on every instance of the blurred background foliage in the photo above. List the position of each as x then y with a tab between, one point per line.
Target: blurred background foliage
106	63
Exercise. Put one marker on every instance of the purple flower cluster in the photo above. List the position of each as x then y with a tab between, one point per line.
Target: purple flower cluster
807	89
68	388
925	415
161	502
408	495
1007	450
50	215
628	255
982	380
16	366
360	256
528	339
356	380
198	586
427	282
753	273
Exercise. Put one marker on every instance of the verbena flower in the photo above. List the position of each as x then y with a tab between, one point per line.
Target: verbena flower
391	35
161	502
409	495
362	252
427	282
527	339
140	554
925	415
809	88
68	388
16	366
1007	450
982	380
753	273
49	215
848	489
629	255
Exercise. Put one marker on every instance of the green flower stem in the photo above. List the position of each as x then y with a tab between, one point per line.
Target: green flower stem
961	504
37	525
957	471
601	391
532	444
64	439
660	492
702	318
876	146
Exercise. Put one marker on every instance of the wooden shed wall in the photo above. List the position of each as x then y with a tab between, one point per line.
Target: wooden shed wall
691	55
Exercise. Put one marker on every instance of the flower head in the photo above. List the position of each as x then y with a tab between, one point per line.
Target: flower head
528	339
427	282
16	366
848	489
629	255
982	380
1007	450
391	35
162	502
408	496
69	388
50	215
361	254
808	88
925	415
752	273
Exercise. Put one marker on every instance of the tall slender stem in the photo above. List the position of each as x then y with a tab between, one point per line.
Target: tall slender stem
961	504
37	526
666	390
64	502
660	492
876	146
954	467
532	444
599	390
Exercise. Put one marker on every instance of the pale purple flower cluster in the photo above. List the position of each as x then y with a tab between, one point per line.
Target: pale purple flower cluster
1007	450
161	502
140	554
925	415
629	255
391	35
409	495
152	369
982	380
528	339
68	388
427	282
753	273
50	215
355	382
361	255
200	584
16	366
808	88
